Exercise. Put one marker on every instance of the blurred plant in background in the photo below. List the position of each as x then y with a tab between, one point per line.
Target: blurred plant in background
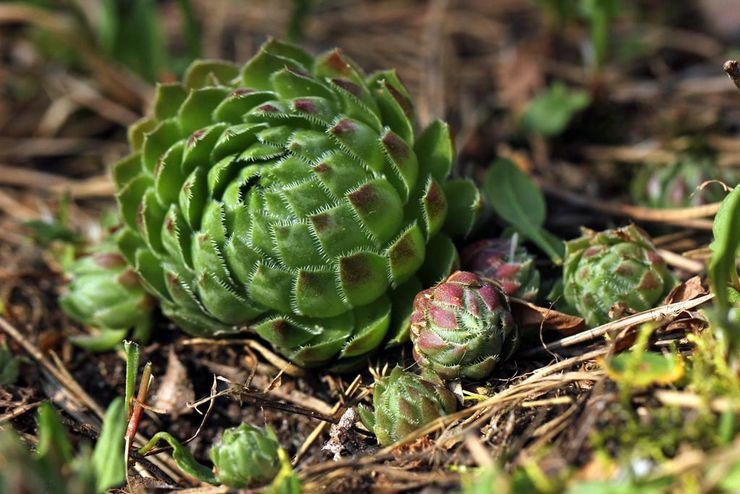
598	15
680	184
126	32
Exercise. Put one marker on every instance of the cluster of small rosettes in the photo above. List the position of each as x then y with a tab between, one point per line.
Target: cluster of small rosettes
614	273
291	195
404	402
463	327
506	262
246	456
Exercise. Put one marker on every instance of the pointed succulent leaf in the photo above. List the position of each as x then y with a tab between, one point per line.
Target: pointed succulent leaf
464	204
403	297
203	73
168	98
435	149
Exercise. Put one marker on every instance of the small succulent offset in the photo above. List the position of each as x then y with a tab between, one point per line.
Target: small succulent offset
463	327
246	456
676	185
506	262
104	292
294	196
613	273
404	402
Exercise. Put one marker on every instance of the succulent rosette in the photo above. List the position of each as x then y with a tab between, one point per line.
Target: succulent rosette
463	327
506	262
404	402
676	185
613	273
292	196
104	292
246	456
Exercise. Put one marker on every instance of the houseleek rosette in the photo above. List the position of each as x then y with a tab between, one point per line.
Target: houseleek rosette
678	185
613	273
404	402
105	293
463	327
507	263
292	196
245	456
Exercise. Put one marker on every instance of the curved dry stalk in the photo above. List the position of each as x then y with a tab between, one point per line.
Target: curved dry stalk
653	315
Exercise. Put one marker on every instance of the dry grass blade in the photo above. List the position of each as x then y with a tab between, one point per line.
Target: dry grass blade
59	373
686	217
279	362
681	262
18	411
100	186
659	314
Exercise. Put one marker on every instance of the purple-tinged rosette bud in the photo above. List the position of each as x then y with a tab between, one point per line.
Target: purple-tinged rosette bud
505	262
463	327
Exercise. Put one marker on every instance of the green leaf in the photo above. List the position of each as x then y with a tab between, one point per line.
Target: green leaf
104	340
516	198
46	232
643	369
550	113
599	14
182	456
8	366
731	480
192	29
286	481
54	447
130	33
132	368
109	462
722	269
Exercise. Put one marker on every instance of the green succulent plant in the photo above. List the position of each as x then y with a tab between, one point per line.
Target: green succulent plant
292	196
463	327
609	274
104	292
676	185
246	456
506	262
404	402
